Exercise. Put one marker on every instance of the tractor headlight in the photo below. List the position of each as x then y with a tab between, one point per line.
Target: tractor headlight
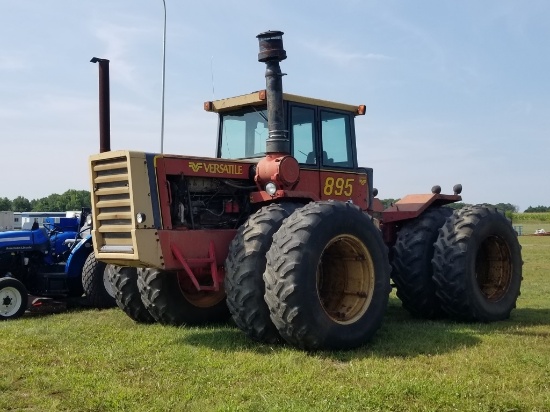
140	217
89	220
270	188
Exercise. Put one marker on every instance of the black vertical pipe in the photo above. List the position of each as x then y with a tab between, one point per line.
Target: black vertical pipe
104	105
271	53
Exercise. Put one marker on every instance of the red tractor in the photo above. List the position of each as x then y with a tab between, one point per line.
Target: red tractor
281	230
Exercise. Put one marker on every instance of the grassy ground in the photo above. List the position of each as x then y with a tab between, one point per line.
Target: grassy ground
528	228
102	361
530	222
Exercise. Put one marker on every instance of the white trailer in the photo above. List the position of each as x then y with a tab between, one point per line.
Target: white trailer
6	221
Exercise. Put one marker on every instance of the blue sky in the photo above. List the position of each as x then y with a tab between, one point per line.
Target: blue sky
456	91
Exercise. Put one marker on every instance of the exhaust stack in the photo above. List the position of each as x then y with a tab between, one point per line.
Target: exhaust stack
104	105
278	170
271	53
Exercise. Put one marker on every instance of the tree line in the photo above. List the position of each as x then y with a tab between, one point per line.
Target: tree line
70	200
537	209
506	207
77	199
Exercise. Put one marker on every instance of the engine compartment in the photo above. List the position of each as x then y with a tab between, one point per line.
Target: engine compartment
208	203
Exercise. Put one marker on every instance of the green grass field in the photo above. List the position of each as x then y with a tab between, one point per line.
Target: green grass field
530	222
91	360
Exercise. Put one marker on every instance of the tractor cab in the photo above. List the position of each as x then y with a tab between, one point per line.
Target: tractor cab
321	139
321	133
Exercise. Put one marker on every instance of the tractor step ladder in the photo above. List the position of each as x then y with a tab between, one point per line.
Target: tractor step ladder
201	262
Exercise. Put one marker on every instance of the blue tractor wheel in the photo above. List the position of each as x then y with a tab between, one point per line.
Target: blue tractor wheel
14	298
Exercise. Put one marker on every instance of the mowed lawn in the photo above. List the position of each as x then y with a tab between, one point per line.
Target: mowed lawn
89	360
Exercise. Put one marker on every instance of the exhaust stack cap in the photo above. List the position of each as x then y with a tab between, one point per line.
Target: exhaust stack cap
271	46
97	59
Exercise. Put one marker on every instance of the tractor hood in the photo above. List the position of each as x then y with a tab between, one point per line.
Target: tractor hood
23	240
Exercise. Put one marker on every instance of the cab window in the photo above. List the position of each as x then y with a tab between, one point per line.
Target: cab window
303	135
243	133
336	139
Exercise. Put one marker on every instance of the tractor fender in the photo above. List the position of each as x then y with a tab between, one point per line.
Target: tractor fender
408	208
412	206
78	256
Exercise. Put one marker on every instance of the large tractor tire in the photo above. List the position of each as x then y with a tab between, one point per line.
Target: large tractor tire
477	265
244	268
327	277
14	299
412	263
173	302
127	296
95	281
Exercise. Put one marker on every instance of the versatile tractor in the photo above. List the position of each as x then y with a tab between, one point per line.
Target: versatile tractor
53	261
282	230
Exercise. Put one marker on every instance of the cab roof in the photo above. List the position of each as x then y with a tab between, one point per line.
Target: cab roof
259	98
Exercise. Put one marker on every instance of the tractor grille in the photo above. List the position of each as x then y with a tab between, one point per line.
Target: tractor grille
113	207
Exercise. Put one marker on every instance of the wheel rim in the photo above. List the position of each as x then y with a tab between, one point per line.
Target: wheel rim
493	268
345	279
198	298
107	282
10	301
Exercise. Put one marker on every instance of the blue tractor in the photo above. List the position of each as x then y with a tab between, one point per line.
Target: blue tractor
55	261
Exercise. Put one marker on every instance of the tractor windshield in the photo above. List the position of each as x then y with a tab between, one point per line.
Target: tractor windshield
243	133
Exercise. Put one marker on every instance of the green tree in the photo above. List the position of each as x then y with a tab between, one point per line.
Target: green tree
43	205
70	200
21	204
5	203
507	207
77	199
537	209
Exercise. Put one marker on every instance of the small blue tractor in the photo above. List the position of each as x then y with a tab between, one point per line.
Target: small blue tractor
54	261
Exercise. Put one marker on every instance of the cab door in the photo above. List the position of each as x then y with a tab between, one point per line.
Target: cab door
305	146
323	142
340	178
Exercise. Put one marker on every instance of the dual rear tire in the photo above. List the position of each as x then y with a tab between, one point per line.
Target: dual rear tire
245	265
464	265
412	263
325	277
477	265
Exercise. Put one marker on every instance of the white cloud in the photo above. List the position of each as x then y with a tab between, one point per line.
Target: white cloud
62	104
339	55
117	41
522	107
13	63
10	113
122	45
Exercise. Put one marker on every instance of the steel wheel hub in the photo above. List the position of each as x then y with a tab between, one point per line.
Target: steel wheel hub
10	301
